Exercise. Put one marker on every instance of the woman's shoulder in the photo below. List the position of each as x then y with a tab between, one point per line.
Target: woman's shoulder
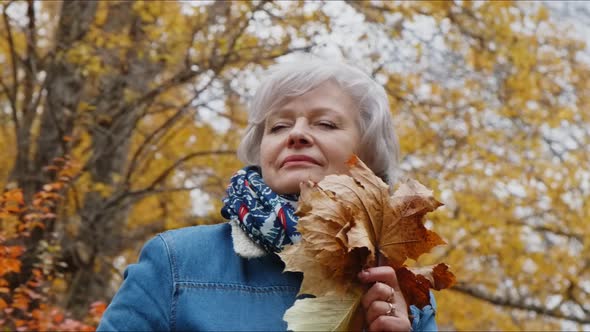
192	233
198	239
194	251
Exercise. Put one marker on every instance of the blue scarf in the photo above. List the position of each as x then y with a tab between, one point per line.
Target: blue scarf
268	218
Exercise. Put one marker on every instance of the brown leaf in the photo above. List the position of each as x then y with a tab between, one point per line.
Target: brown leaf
405	236
416	288
345	220
415	283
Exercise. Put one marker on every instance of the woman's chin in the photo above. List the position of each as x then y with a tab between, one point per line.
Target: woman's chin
285	188
290	184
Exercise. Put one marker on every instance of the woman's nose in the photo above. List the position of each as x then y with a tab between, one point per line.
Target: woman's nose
299	136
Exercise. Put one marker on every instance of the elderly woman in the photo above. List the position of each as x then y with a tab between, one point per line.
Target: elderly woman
305	122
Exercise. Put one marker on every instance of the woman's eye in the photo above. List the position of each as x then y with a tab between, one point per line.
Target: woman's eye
327	124
277	127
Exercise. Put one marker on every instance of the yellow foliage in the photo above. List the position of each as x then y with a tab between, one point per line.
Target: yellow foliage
496	124
103	189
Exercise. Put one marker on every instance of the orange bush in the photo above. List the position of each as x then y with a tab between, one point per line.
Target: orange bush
27	305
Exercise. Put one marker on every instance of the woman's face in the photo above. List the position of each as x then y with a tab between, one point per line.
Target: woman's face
309	137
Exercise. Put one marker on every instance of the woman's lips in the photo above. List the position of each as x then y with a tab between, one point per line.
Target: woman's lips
298	160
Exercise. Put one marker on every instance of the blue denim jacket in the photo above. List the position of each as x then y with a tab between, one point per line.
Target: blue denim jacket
191	279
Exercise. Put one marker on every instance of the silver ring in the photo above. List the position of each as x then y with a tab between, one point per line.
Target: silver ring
391	297
391	311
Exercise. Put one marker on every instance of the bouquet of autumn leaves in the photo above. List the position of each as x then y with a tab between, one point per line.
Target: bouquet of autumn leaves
346	223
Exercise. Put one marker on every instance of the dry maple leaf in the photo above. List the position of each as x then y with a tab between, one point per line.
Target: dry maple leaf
334	312
346	222
416	282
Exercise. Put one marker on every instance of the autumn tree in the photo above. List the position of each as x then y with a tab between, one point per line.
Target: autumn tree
489	100
122	87
492	114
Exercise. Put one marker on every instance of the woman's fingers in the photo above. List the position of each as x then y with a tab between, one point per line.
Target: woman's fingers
379	308
390	323
378	292
384	274
384	303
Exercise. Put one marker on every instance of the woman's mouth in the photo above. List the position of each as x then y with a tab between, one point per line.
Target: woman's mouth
296	160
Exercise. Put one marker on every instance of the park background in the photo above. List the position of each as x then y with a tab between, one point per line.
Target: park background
120	119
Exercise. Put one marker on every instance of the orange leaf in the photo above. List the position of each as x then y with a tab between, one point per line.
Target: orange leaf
416	288
346	221
20	302
442	278
97	308
8	265
415	283
58	317
407	237
50	168
14	251
15	195
13	209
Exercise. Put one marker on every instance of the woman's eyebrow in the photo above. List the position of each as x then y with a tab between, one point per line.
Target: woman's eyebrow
327	111
276	114
287	112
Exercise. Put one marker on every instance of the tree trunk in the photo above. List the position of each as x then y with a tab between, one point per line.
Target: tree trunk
103	220
64	88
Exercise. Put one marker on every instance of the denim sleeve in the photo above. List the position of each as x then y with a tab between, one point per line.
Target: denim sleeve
424	319
144	300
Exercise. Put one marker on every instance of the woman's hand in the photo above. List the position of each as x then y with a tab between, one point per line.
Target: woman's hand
384	304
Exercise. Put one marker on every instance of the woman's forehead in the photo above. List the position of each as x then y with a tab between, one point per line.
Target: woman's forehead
326	98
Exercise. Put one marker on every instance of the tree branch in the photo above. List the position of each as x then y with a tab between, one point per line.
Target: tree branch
14	57
545	229
164	190
169	122
12	102
181	77
515	304
184	159
115	199
30	62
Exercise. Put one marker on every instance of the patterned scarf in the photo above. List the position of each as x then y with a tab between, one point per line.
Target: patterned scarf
268	218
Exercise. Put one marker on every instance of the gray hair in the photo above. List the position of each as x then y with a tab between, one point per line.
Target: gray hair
379	144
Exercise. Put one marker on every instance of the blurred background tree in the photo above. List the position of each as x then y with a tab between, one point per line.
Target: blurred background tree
143	103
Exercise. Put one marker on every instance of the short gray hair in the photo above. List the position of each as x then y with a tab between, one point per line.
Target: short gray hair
379	144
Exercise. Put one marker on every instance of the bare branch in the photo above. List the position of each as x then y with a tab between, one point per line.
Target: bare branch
167	124
30	62
227	116
12	101
545	229
184	76
164	190
184	159
118	198
517	304
14	58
